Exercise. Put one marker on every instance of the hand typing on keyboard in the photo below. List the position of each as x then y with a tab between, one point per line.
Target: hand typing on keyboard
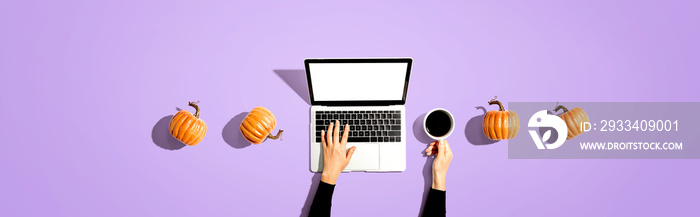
335	155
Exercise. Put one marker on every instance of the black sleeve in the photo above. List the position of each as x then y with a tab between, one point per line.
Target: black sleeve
321	206
435	204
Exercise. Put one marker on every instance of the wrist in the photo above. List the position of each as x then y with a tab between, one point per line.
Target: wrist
439	181
328	178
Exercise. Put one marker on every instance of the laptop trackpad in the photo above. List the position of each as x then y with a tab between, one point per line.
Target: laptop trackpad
366	157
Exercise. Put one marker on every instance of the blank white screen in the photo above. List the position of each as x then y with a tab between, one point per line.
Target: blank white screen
357	81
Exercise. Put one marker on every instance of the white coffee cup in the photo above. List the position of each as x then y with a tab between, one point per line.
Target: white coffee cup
439	124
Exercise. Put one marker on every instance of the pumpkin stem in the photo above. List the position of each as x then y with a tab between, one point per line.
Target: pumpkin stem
561	107
279	133
500	105
196	108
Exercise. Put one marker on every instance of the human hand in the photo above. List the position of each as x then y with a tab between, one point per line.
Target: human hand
335	155
443	155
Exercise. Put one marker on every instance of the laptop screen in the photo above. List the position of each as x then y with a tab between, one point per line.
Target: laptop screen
351	81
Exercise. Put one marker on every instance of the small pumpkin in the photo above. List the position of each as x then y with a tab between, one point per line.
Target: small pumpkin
188	128
258	125
573	119
501	124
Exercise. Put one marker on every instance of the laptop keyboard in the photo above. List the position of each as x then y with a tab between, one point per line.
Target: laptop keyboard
365	126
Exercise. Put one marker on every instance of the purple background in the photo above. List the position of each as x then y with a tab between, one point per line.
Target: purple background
86	88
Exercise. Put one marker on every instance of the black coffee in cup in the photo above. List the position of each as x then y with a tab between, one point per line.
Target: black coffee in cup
438	123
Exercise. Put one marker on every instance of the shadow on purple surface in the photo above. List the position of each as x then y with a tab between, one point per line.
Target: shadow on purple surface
474	130
162	138
296	79
427	180
423	138
232	133
315	179
418	131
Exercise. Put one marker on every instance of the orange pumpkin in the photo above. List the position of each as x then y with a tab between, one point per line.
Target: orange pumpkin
258	125
573	119
188	128
501	124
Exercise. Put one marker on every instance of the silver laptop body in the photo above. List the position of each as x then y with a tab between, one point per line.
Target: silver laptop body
369	94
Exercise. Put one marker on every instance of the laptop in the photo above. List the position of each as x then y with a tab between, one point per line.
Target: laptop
369	94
